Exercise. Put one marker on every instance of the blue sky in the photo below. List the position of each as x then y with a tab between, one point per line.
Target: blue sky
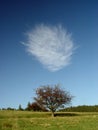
24	65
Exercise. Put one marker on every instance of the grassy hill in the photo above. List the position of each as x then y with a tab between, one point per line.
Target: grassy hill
24	120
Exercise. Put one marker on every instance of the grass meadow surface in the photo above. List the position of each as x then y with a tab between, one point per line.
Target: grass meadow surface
24	120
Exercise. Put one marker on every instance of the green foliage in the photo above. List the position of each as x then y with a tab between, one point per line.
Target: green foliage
9	108
28	108
83	108
20	108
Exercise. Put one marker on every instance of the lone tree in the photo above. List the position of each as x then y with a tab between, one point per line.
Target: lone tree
52	97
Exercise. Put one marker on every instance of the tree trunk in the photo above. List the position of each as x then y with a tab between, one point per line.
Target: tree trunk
52	113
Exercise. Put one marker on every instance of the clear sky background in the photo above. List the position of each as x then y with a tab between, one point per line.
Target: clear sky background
21	72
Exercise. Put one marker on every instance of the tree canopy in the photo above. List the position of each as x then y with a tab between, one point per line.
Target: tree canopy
52	97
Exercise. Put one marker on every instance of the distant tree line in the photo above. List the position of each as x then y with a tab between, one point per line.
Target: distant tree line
83	108
9	108
34	107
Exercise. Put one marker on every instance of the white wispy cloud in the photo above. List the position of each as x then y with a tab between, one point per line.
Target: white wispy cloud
51	45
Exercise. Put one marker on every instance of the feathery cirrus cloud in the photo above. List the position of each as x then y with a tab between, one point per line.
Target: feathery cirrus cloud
51	45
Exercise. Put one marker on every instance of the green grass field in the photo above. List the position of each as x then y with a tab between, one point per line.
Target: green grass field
22	120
